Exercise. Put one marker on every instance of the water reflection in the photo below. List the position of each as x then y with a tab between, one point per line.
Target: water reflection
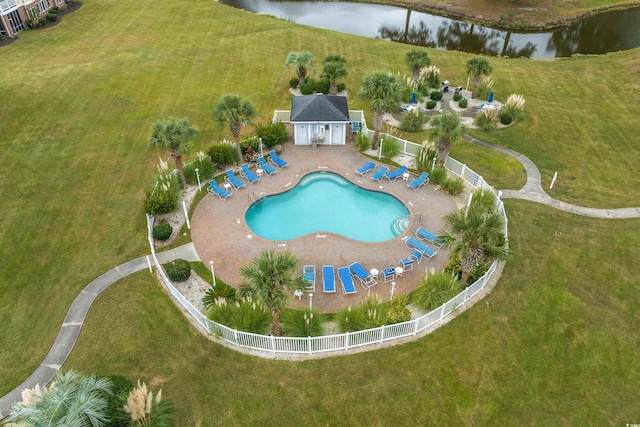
618	30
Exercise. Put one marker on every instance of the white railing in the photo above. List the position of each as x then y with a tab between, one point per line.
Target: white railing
344	342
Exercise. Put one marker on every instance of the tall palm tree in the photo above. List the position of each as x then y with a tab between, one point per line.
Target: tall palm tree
235	113
71	400
270	279
474	235
478	66
384	90
174	135
416	60
333	68
302	61
446	129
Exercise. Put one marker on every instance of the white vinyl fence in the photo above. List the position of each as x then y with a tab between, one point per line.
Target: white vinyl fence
346	341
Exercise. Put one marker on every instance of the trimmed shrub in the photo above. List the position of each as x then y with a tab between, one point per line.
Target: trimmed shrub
341	87
52	17
435	289
223	153
55	9
178	270
221	291
29	23
308	87
205	167
244	315
322	86
438	175
457	97
412	121
272	133
390	147
463	103
431	105
42	22
293	83
363	142
505	117
162	231
436	95
301	323
452	186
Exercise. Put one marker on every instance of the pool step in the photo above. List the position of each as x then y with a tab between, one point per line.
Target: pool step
399	225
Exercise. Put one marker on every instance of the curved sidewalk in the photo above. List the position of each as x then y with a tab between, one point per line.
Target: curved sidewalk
73	321
534	192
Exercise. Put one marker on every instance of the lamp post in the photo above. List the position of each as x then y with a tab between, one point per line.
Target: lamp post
310	302
261	152
393	288
213	274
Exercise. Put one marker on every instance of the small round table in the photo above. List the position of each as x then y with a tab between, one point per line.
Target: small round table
374	273
259	172
399	271
227	186
405	176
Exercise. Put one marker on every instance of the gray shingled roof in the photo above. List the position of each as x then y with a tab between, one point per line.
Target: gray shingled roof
319	108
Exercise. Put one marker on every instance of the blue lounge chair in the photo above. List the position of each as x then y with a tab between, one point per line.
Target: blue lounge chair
328	279
423	234
232	179
380	173
246	172
392	176
413	243
347	281
363	275
364	169
309	276
277	160
214	188
270	170
421	180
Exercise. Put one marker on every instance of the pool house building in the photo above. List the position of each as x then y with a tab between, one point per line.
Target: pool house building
319	119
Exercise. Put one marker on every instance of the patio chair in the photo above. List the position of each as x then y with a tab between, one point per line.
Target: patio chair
406	264
232	179
417	255
277	160
389	274
421	180
392	176
215	189
363	275
364	169
246	172
380	173
270	170
423	234
346	280
309	276
413	243
328	279
355	127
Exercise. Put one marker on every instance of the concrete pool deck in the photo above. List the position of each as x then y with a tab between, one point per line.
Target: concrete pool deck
219	231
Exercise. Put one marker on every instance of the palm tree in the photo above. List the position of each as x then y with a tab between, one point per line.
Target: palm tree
333	68
174	135
384	90
446	129
478	66
416	60
71	400
232	111
269	279
474	235
301	61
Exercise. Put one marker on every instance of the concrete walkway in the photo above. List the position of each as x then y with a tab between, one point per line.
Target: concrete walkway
534	192
73	321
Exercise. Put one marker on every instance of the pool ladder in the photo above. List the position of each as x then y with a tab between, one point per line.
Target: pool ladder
401	223
253	197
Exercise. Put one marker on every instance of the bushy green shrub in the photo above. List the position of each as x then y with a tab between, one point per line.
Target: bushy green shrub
457	97
390	147
436	95
431	105
454	266
301	323
55	9
463	103
52	17
243	315
341	87
452	186
251	142
431	76
322	86
42	22
162	231
484	88
435	289
222	290
164	197
397	311
293	83
223	154
412	121
370	313
406	93
363	142
308	87
120	388
505	117
272	133
178	270
514	107
29	23
438	175
486	119
205	167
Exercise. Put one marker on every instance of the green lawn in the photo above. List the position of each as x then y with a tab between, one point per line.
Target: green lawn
80	99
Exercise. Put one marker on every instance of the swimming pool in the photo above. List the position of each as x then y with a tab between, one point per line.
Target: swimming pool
326	202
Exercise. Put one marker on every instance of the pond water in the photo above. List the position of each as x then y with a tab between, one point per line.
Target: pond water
606	32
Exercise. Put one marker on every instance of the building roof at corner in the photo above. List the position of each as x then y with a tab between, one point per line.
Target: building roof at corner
319	108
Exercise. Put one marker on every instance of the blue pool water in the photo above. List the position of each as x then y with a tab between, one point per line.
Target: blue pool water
326	202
